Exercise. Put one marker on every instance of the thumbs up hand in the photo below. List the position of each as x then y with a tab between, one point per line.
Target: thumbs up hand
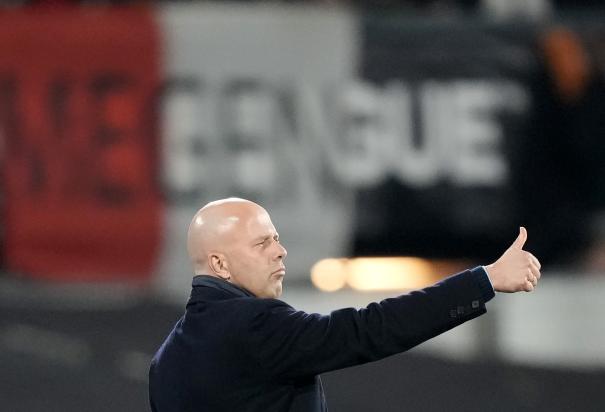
516	270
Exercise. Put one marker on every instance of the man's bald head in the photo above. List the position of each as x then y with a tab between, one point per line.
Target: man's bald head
225	240
214	226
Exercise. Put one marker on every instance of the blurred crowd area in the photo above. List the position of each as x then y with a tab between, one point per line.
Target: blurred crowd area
497	8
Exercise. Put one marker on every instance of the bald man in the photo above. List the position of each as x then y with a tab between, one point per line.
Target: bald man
239	348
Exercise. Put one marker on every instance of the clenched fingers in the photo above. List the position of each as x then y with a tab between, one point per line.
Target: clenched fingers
535	270
535	260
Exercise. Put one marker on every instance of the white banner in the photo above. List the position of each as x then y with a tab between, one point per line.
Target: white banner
243	116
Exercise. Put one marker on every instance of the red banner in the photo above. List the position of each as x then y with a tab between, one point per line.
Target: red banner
79	143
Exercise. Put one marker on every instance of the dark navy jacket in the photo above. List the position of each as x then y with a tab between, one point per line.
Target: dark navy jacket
234	352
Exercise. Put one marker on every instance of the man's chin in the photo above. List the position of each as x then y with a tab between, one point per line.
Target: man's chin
271	293
277	290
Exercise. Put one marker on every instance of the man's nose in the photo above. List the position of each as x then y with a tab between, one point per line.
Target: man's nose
282	252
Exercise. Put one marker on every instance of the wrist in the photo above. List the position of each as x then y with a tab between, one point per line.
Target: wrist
492	274
488	269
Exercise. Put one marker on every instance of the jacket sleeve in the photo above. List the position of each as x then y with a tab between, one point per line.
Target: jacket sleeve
290	344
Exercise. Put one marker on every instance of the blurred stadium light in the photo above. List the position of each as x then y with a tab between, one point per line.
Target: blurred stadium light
381	273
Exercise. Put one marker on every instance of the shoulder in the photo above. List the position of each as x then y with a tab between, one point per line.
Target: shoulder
241	308
260	314
256	306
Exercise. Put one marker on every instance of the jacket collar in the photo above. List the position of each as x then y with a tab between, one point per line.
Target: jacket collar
207	281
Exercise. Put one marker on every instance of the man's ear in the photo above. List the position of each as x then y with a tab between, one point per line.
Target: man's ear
219	266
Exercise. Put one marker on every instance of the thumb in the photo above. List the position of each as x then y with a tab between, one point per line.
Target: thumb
520	240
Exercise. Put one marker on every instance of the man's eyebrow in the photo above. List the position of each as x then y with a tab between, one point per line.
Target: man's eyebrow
262	238
265	237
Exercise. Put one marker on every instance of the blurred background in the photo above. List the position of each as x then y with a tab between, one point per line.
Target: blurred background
393	143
